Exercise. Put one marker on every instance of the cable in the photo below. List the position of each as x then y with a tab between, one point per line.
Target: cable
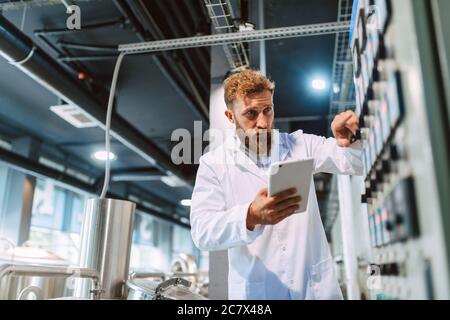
22	25
108	124
25	60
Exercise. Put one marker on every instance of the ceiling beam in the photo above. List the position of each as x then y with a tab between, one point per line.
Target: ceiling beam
230	38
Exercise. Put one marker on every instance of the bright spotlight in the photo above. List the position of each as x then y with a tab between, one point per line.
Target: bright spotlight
101	155
319	84
336	88
186	202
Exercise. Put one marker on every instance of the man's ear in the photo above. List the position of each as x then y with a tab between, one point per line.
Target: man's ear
229	115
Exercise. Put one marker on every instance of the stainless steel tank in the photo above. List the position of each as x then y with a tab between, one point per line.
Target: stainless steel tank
13	287
172	289
106	237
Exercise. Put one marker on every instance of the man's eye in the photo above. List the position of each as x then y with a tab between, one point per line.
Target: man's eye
251	113
268	110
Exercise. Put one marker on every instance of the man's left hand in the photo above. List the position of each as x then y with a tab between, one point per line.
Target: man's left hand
344	127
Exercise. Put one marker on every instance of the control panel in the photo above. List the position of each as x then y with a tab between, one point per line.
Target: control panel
399	267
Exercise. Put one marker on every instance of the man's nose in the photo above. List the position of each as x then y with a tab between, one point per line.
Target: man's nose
261	122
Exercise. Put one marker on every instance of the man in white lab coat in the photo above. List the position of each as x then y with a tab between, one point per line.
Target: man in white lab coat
272	252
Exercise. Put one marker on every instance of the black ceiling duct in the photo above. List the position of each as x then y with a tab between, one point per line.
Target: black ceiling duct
19	50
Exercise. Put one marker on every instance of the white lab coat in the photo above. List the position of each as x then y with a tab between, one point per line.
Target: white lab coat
290	260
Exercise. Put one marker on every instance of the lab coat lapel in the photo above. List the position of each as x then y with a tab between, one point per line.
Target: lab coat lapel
239	158
245	163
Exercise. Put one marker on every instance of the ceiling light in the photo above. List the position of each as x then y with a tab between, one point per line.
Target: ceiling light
101	156
186	202
5	145
319	84
184	220
336	88
172	181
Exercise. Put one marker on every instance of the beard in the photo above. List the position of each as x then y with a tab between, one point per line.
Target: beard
256	141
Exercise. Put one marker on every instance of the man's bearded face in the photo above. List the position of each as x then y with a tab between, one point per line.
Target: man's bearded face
253	117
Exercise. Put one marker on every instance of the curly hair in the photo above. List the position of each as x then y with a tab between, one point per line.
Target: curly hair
245	83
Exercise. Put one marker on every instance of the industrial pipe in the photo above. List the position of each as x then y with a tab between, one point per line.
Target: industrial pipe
53	271
165	65
20	50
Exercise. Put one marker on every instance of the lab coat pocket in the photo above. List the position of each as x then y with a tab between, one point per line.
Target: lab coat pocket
324	282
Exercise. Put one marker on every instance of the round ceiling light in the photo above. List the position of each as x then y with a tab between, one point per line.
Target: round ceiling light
101	156
319	84
186	202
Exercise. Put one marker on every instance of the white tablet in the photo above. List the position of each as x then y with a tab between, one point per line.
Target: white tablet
292	174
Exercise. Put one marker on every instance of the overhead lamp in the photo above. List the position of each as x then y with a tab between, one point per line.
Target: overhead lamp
336	88
186	202
101	155
172	181
184	220
319	84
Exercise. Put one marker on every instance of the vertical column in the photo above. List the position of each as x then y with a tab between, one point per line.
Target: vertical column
348	238
258	48
3	187
68	208
19	192
262	43
218	261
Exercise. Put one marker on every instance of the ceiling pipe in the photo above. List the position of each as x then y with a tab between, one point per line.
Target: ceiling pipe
180	28
88	27
163	64
186	6
88	58
19	50
179	60
88	47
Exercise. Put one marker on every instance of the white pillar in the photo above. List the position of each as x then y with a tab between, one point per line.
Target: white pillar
348	238
218	261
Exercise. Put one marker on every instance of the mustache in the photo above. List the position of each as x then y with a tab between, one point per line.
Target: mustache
258	137
253	132
259	141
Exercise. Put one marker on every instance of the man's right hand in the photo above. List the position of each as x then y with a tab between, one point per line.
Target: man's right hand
267	210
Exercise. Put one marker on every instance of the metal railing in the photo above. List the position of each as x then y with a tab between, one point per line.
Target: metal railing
222	17
229	38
